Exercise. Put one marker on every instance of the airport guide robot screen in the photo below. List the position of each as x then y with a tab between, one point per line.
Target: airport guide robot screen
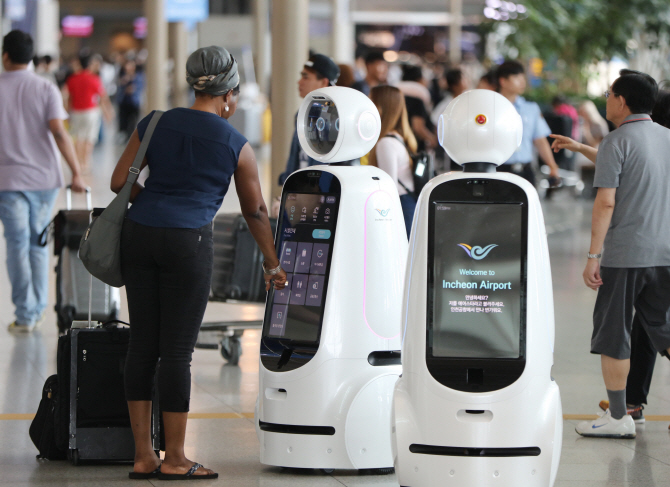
476	304
306	232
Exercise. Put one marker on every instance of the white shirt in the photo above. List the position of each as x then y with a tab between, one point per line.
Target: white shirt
393	158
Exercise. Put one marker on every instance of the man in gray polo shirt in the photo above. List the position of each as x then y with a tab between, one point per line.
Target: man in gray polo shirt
631	228
31	134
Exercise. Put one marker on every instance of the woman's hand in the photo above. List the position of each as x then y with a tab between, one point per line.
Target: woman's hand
279	280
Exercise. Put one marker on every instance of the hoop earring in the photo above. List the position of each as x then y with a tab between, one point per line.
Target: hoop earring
226	108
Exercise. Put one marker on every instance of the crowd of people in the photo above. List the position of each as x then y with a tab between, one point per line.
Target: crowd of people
95	88
416	104
167	237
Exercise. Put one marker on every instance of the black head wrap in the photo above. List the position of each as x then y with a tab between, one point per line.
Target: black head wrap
212	70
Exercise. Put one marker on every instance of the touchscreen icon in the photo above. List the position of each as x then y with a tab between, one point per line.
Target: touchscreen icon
327	211
298	289
293	209
322	199
304	209
287	256
281	296
278	321
316	209
315	292
330	199
319	259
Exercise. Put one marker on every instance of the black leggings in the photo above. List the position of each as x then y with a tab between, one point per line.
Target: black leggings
168	273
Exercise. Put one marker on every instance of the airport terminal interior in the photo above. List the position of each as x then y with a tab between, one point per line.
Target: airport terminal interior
221	432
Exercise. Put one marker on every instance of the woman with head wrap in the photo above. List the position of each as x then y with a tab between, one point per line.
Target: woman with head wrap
166	249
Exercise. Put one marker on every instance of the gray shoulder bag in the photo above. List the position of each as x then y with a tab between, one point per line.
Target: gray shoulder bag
100	247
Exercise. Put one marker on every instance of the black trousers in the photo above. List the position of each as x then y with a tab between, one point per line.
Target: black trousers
642	361
523	170
168	274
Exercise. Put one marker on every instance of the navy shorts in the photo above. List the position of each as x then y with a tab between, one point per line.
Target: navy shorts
644	291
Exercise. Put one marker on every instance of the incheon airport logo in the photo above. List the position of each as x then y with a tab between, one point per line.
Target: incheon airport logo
383	213
476	252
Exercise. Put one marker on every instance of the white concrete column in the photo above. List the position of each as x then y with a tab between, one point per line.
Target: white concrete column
290	36
47	28
179	52
343	32
157	47
456	9
262	48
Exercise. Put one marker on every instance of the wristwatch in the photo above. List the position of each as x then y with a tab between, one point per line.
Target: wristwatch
271	272
593	256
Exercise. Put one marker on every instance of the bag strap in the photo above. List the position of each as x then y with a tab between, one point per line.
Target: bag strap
47	234
134	171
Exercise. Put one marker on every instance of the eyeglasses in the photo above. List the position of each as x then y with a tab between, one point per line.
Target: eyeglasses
608	93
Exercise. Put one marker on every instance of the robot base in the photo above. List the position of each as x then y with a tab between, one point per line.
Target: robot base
349	428
491	449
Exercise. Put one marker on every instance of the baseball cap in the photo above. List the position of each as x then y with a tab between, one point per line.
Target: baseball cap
325	66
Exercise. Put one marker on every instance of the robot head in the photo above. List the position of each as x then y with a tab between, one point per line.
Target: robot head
337	124
480	126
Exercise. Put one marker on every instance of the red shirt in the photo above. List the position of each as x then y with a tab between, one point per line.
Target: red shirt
85	89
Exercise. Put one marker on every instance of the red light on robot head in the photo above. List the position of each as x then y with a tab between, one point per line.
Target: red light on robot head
480	119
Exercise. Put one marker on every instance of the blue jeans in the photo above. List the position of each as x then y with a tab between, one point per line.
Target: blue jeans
408	204
24	214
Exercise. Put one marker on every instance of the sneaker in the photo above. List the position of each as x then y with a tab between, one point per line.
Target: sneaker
608	427
634	411
40	320
16	327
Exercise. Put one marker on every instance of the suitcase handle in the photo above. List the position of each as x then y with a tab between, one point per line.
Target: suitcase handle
110	323
68	197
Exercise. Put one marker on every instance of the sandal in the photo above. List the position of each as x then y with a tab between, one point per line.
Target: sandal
188	475
144	476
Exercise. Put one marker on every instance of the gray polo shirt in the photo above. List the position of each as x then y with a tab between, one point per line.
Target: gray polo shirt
29	158
635	159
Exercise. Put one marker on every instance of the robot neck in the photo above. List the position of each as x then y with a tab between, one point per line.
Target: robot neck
479	167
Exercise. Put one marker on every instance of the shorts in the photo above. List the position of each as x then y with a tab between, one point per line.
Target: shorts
645	291
85	124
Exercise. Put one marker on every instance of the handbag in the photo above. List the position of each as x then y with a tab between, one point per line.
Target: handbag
100	247
422	169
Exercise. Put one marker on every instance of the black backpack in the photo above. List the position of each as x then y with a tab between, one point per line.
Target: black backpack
43	428
422	168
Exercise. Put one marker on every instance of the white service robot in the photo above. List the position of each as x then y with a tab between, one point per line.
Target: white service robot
476	404
330	346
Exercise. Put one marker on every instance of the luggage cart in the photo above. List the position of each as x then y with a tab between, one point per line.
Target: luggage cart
229	336
237	278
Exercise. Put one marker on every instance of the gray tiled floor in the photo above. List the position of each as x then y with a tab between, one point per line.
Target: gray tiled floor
230	446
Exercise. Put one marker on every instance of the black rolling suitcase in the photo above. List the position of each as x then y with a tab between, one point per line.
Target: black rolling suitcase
238	272
72	294
92	420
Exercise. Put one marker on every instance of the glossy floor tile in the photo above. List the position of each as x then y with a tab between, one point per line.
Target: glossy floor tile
223	396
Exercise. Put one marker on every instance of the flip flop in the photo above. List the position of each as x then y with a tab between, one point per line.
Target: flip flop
188	475
144	476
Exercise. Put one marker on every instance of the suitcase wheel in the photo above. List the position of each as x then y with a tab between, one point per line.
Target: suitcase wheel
231	349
